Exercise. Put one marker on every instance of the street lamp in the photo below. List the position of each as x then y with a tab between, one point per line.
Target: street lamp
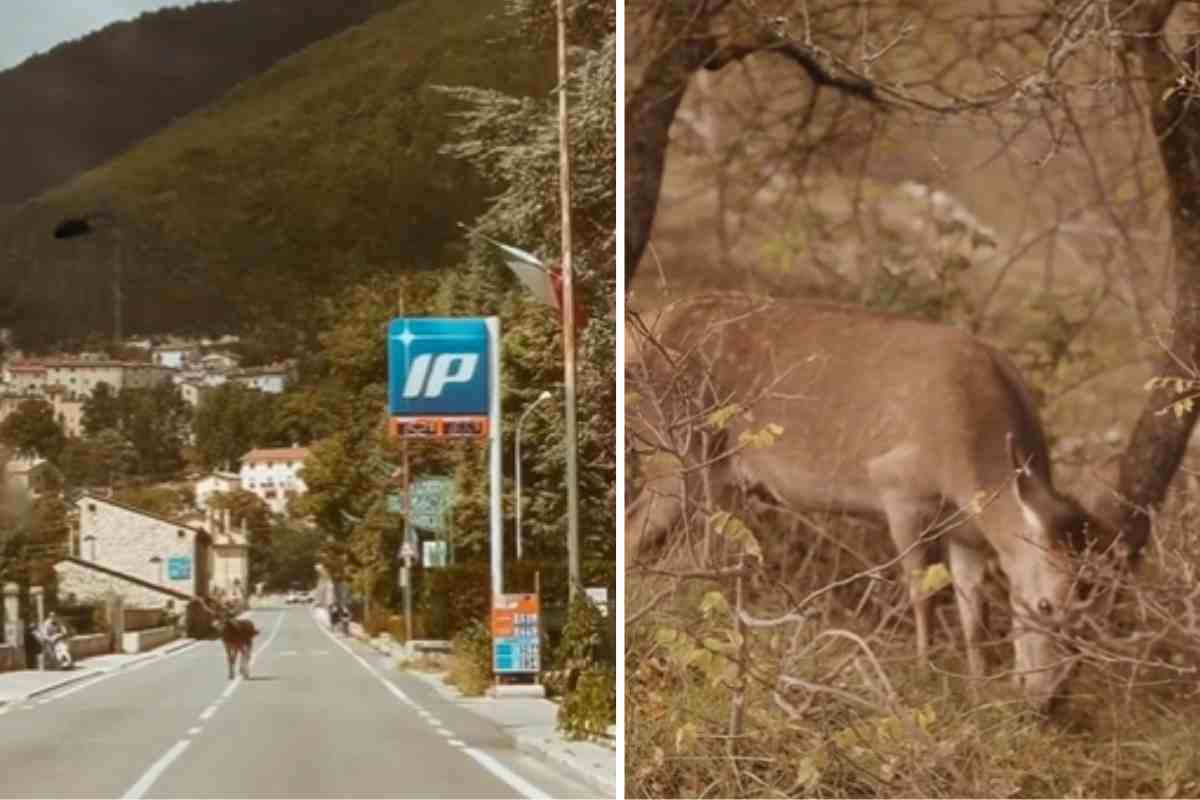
543	396
75	227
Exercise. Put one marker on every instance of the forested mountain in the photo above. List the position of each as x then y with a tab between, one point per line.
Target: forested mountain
84	101
296	183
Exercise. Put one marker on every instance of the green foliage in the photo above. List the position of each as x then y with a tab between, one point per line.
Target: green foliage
299	182
471	660
106	458
32	430
233	419
161	501
457	595
591	708
154	421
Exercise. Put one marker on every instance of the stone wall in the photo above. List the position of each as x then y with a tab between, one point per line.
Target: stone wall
91	587
127	540
93	644
141	641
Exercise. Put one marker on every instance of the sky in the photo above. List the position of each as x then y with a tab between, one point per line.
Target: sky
35	26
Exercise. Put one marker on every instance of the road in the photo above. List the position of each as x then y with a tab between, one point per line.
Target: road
318	718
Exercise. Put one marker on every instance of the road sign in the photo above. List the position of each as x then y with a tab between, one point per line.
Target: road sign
438	366
516	634
434	554
599	596
179	568
408	551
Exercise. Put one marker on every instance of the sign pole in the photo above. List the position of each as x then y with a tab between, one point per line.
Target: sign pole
407	543
497	531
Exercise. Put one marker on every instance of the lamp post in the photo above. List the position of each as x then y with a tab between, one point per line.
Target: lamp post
75	227
157	560
543	396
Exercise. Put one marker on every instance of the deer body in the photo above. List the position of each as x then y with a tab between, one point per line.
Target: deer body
883	415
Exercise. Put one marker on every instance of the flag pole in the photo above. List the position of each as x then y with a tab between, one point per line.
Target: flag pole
568	311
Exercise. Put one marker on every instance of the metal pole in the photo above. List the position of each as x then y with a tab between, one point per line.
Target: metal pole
518	475
568	291
521	422
407	532
495	518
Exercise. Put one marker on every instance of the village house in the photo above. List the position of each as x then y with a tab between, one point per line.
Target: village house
116	540
25	377
68	413
213	482
174	353
272	378
273	473
79	378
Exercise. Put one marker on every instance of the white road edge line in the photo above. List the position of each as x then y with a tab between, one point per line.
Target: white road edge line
208	712
144	783
523	787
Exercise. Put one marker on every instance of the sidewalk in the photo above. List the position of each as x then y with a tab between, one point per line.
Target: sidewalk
21	685
533	724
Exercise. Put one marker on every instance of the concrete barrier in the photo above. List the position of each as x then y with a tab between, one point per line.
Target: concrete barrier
93	644
140	641
140	619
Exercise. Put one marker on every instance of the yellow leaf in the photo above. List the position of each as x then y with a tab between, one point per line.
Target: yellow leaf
721	417
685	737
935	578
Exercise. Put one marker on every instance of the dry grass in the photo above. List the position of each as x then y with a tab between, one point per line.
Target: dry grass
860	719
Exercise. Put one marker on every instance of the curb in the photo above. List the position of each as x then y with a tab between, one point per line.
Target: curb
86	672
566	761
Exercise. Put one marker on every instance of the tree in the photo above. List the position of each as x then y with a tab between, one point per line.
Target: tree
32	430
232	420
101	410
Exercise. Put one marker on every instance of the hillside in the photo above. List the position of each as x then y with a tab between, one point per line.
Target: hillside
84	101
320	170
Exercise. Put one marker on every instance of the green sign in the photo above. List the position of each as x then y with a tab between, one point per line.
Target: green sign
431	498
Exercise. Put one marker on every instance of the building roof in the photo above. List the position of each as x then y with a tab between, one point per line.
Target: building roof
26	366
172	522
276	454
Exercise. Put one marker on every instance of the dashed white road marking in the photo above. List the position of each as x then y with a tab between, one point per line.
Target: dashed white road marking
146	781
455	743
194	731
159	767
288	653
444	732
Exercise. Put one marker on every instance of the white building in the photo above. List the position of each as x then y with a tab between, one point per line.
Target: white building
272	378
215	482
273	473
175	354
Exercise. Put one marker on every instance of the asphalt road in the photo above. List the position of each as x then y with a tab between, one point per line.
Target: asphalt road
318	718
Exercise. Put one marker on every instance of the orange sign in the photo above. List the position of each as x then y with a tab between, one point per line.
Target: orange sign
509	609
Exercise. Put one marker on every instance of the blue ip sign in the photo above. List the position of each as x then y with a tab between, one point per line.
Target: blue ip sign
437	366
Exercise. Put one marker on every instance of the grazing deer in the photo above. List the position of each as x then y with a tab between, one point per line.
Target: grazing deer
238	637
916	422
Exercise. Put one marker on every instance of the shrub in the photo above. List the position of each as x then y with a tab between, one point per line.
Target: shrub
592	706
471	659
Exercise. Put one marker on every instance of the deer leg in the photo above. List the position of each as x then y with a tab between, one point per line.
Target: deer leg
230	657
905	523
968	567
246	662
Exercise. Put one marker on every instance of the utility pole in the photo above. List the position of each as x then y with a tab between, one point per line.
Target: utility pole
568	302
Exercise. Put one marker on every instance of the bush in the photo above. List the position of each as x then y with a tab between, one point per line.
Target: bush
592	707
471	660
587	656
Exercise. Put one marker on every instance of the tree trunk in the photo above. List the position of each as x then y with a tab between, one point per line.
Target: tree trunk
1159	440
649	112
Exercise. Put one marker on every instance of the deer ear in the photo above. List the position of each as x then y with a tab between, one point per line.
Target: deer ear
1032	495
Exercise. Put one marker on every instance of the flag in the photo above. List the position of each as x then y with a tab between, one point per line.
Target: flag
546	283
